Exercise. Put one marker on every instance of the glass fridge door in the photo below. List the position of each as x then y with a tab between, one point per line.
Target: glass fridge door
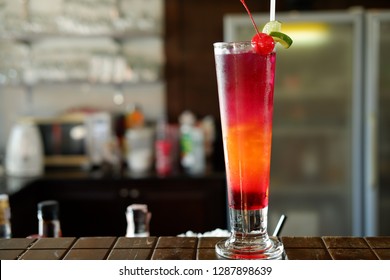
317	130
377	123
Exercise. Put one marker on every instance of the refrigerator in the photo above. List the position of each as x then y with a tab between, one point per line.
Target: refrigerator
377	123
317	163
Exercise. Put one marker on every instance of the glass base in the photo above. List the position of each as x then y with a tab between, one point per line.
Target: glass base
271	249
249	238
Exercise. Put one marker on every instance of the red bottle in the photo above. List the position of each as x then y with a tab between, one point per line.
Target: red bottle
163	147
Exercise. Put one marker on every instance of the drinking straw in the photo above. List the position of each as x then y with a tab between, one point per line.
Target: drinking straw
272	10
280	225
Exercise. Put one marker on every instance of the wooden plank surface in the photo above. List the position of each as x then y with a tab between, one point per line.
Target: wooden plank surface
185	248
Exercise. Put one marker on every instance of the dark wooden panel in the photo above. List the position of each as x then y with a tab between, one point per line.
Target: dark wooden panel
96	207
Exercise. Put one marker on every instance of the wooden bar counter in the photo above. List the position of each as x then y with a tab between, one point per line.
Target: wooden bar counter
185	248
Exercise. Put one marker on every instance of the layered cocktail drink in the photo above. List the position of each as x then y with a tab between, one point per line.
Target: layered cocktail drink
246	92
246	89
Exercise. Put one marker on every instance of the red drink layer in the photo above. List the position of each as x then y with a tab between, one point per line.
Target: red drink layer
246	89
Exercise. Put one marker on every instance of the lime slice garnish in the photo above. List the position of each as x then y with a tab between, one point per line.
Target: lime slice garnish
282	38
272	26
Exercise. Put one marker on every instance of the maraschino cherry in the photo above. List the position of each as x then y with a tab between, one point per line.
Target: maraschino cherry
262	43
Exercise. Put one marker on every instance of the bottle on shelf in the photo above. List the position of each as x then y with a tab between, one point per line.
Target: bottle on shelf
5	217
135	117
198	165
192	144
48	219
163	149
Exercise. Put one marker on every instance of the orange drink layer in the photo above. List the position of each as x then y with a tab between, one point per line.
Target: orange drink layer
246	90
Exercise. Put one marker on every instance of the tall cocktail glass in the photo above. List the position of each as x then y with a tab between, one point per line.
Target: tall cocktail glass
246	89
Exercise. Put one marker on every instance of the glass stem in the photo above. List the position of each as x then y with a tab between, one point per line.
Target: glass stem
249	222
